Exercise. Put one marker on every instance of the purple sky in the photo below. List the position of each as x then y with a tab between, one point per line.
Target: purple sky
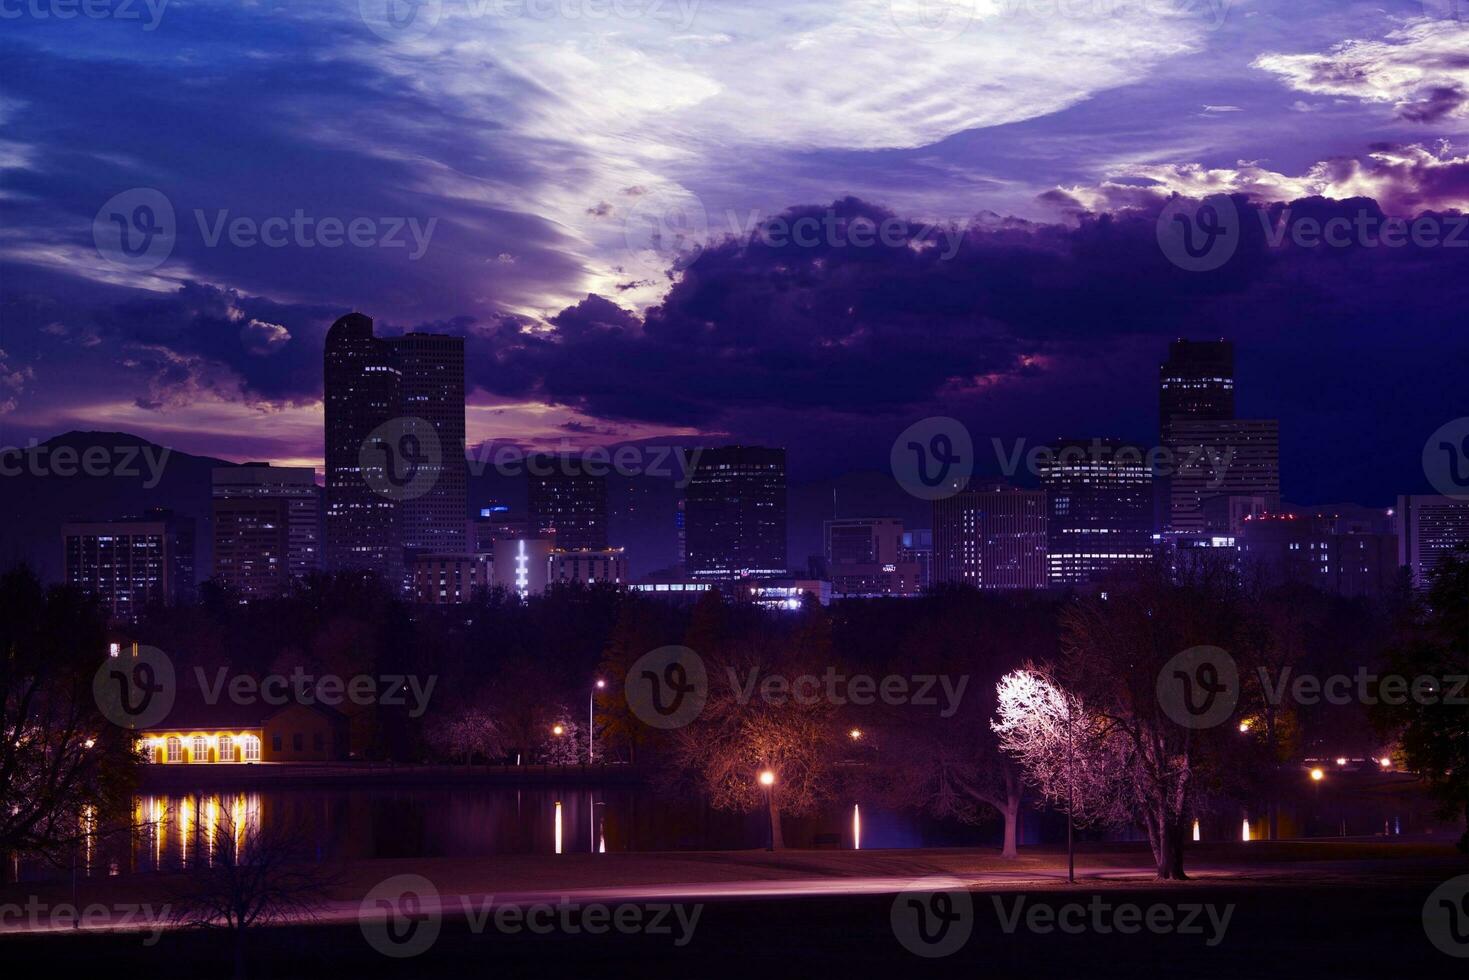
572	185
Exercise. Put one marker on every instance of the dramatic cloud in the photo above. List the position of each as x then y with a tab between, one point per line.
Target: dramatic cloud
1421	70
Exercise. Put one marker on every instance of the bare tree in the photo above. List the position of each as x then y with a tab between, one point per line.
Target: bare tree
466	734
254	876
742	733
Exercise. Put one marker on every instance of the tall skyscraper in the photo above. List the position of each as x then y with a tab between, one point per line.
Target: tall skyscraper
267	526
991	537
1221	458
1196	382
735	513
432	390
1100	496
395	469
1430	527
566	502
131	563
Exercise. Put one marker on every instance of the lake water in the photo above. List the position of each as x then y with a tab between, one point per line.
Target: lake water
170	830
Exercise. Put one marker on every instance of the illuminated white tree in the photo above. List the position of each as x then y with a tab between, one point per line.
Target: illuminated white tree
468	734
1061	747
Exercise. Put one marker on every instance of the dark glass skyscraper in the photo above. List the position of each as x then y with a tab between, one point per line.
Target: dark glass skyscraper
991	537
1100	496
735	513
566	503
1197	381
378	394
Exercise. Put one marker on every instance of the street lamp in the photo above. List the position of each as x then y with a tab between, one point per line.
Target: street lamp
591	720
855	734
767	779
1317	775
558	730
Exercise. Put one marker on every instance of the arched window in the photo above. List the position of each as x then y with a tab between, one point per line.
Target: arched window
175	749
226	748
251	746
201	748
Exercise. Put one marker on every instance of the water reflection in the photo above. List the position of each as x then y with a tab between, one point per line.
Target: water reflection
173	832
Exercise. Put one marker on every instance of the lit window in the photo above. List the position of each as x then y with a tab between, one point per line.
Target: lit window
201	749
175	749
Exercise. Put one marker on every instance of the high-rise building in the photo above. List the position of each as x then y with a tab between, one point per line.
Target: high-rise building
1196	382
864	558
379	394
735	514
587	566
131	563
267	526
1430	528
432	390
565	501
1221	458
447	580
918	548
991	537
1100	496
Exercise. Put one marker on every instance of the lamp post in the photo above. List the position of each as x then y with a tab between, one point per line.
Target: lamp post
767	779
591	722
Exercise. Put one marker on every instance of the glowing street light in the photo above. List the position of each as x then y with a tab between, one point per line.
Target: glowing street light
767	779
591	719
855	734
558	729
1341	761
1244	726
1317	775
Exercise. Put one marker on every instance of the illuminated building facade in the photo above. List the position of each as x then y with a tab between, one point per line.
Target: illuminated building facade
266	526
1100	498
563	500
1429	528
735	514
865	558
991	537
131	563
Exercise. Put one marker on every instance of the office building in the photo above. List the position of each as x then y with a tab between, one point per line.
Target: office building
1429	529
566	502
1221	458
1100	498
131	563
267	526
1196	382
587	566
864	558
735	514
991	537
395	470
446	580
1309	550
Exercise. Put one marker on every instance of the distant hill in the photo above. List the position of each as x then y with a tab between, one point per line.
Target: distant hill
97	475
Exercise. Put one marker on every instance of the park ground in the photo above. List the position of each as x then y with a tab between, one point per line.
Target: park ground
1300	909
